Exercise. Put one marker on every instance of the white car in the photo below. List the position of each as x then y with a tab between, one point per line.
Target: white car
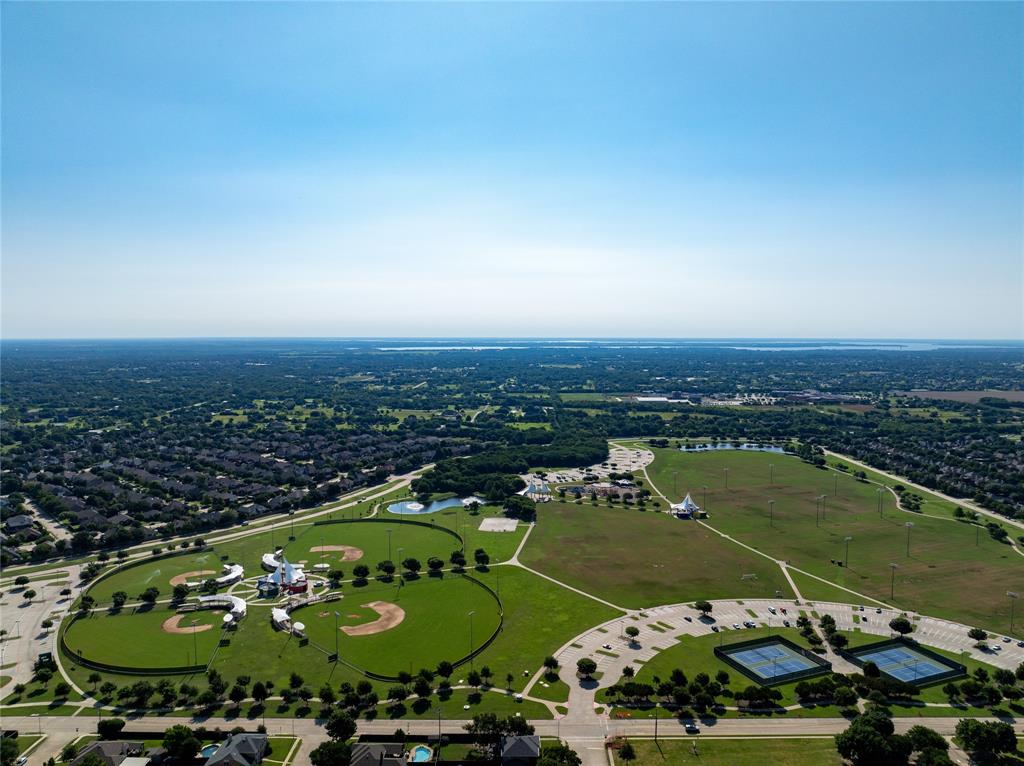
772	609
735	626
606	646
1006	639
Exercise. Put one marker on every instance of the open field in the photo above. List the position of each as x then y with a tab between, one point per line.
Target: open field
971	397
436	624
137	639
639	558
941	576
817	751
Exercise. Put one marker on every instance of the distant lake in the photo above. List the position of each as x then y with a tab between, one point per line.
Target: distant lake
404	509
730	445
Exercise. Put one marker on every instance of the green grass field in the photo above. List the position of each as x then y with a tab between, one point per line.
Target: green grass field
640	558
818	751
940	577
436	625
137	639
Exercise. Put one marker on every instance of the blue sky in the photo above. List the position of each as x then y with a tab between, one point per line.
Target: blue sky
708	170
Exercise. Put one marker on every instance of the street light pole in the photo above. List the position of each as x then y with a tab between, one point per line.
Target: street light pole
910	525
389	544
878	492
817	504
336	631
835	484
705	498
195	650
1014	595
771	513
771	473
846	558
892	582
726	477
824	499
471	639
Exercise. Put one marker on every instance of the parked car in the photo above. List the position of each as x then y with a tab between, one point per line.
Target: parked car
786	623
771	609
606	646
714	628
1006	639
692	728
735	626
688	618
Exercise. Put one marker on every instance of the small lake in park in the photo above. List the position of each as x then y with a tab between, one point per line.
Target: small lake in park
414	508
730	445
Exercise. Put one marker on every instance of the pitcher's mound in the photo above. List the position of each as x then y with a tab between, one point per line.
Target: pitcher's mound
390	616
186	576
171	625
348	553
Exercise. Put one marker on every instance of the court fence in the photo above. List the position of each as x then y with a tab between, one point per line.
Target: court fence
859	656
817	667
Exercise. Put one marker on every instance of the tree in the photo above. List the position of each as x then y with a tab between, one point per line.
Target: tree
21	581
986	739
61	690
704	607
330	753
180	592
923	738
119	598
445	669
361	571
180	743
845	697
387	567
340	726
627	753
977	634
237	694
29	595
435	564
8	751
551	663
869	741
149	595
411	565
109	728
260	692
586	666
901	625
326	694
559	755
481	557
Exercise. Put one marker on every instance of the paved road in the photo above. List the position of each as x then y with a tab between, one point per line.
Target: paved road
588	738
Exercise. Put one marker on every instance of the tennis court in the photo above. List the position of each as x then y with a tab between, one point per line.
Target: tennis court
903	663
769	661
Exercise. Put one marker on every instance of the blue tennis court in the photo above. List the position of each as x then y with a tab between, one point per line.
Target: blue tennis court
771	660
904	663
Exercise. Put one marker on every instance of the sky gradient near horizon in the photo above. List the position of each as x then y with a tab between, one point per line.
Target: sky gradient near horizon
655	170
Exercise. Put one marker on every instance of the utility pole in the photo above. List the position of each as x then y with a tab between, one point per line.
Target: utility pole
892	582
846	558
878	492
835	484
705	504
910	525
1014	595
817	503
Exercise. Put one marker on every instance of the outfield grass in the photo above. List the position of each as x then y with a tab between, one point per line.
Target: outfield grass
136	639
640	558
820	751
940	577
436	625
370	537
